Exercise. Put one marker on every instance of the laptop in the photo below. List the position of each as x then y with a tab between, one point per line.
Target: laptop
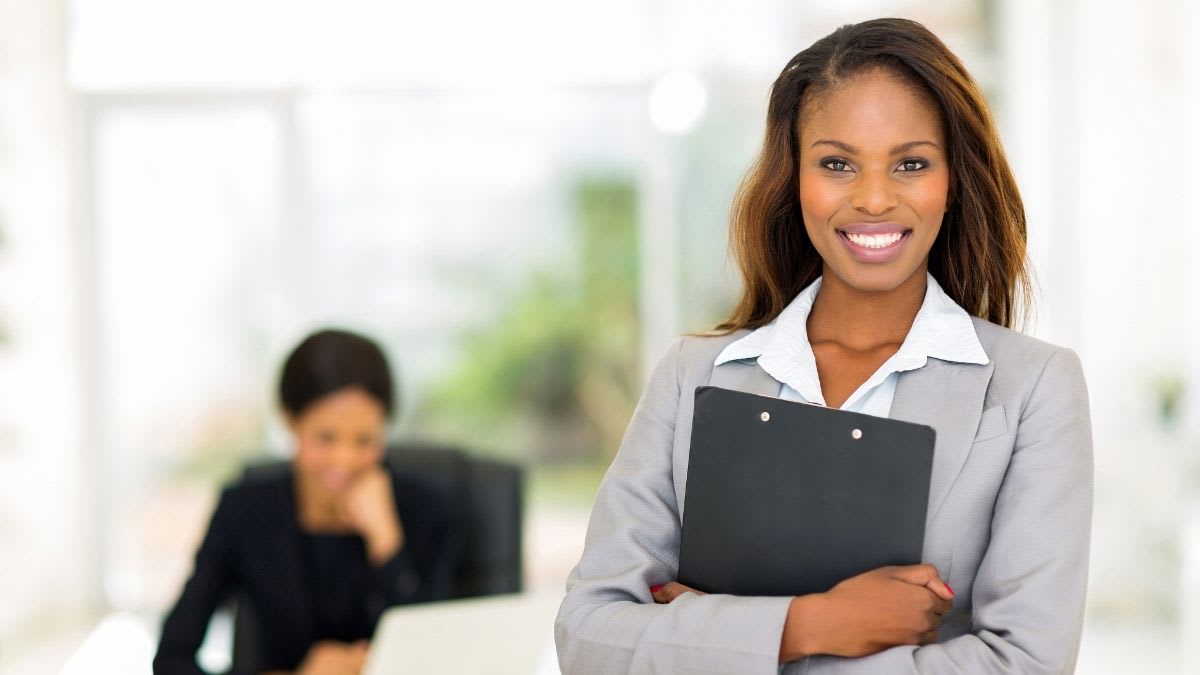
788	498
494	634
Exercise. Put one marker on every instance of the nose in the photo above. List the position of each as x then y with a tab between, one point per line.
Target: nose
874	195
343	456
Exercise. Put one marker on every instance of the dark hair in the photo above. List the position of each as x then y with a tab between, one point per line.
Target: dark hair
331	360
979	255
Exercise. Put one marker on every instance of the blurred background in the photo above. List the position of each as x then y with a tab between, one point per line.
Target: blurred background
524	202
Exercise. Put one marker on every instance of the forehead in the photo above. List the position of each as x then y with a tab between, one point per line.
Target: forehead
871	110
345	407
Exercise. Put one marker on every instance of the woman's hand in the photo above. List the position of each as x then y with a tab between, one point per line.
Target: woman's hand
334	658
862	615
868	613
369	509
665	593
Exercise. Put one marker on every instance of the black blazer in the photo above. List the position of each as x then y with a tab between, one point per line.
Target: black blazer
254	549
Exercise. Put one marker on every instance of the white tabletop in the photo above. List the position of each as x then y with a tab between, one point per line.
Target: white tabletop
503	634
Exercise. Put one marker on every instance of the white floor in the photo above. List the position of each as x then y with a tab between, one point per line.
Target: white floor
1120	648
122	645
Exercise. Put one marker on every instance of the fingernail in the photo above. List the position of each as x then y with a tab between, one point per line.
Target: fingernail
655	587
948	589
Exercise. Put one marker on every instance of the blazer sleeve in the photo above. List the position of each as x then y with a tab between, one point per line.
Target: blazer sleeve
421	570
213	579
1029	592
608	622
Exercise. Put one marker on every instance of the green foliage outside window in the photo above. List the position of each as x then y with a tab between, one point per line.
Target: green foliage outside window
555	376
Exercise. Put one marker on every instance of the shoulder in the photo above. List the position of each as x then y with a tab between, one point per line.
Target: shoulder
1021	362
699	351
688	360
262	492
1006	344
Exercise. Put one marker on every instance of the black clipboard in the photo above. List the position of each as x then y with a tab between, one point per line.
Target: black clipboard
787	498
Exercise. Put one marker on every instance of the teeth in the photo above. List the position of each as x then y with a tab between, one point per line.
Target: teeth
874	240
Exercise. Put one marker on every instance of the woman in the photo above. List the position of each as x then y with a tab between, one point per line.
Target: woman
320	549
881	240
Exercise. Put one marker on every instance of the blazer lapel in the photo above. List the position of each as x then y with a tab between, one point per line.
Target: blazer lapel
948	397
745	376
283	562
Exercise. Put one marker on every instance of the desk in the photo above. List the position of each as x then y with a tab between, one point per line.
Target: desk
504	634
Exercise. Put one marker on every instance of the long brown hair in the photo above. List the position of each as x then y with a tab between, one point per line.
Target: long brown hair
979	255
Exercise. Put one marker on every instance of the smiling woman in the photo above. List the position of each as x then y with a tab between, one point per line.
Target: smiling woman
881	240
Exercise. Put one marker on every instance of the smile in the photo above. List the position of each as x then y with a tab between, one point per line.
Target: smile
875	240
874	247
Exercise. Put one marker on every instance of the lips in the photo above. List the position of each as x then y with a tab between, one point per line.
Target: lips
874	242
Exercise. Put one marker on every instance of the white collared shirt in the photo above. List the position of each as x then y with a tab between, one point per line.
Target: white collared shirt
941	330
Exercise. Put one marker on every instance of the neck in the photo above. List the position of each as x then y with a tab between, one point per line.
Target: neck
864	319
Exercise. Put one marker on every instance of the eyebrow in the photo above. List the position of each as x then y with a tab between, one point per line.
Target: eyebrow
903	147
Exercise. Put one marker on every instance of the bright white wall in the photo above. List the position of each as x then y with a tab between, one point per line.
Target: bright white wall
1094	116
46	488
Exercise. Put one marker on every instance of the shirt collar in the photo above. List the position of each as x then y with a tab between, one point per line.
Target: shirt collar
941	330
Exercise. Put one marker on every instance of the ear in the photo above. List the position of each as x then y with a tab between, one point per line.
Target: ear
292	422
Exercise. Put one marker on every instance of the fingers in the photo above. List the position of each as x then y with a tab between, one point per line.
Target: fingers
335	658
942	590
941	606
358	656
924	575
665	593
367	508
918	575
352	658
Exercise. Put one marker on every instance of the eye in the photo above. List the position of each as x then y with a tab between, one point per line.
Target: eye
912	164
326	437
835	164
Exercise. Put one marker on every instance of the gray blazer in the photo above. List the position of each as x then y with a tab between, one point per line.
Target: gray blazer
1008	524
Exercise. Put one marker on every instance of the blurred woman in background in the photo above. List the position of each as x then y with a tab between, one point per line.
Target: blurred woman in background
320	547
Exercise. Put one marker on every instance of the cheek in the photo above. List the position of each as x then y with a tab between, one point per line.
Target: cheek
310	450
817	201
307	457
367	458
818	205
930	201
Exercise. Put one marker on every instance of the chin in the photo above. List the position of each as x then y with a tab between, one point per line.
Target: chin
875	278
331	486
